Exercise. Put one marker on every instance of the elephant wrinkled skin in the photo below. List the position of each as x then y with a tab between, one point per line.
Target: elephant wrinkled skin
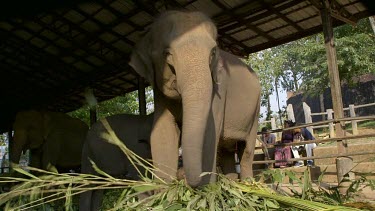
54	139
134	131
208	96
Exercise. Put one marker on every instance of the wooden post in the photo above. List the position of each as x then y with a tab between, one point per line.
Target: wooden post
290	112
273	126
354	122
372	22
92	102
93	115
334	77
308	119
335	82
331	129
273	123
321	102
142	96
10	142
344	165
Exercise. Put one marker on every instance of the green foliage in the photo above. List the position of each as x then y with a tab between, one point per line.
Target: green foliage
301	65
127	104
307	191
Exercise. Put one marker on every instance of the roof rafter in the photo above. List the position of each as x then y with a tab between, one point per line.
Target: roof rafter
282	16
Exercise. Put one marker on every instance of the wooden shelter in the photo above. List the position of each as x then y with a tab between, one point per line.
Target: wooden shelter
50	51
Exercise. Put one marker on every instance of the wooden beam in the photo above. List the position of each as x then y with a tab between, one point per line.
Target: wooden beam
240	44
337	11
340	13
80	45
49	41
258	17
147	6
142	96
334	77
282	16
30	60
299	35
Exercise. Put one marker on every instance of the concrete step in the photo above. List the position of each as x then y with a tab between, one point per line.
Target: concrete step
259	155
329	150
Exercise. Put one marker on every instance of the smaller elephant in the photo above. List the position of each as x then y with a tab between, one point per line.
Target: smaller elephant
54	139
134	131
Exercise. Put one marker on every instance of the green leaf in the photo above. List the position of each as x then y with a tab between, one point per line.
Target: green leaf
20	170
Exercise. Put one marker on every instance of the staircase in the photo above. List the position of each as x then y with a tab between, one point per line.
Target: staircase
363	164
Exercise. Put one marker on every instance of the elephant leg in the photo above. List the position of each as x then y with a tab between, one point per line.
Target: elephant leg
248	154
164	142
85	201
36	158
51	151
96	200
47	163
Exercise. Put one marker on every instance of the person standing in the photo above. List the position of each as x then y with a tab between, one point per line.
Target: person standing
267	137
284	152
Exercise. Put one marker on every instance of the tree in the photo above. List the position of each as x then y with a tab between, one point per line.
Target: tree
265	73
355	57
301	65
126	104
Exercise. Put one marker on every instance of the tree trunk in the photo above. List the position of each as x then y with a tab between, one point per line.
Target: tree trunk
322	109
278	100
269	112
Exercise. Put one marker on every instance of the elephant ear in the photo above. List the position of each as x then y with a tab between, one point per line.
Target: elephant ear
141	60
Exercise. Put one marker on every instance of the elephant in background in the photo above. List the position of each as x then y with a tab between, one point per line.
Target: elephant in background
209	97
134	131
55	139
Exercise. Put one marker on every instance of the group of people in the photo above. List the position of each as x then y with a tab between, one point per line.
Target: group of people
286	152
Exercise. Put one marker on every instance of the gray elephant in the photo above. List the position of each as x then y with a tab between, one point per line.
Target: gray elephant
134	131
209	96
55	139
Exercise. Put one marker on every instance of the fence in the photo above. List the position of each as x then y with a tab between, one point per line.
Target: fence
342	167
329	114
273	124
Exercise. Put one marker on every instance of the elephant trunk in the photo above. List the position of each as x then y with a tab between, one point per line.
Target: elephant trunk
197	123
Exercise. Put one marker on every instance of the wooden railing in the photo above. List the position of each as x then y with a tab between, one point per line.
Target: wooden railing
343	167
320	140
329	115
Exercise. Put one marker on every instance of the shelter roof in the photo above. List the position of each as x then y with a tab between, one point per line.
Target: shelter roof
49	53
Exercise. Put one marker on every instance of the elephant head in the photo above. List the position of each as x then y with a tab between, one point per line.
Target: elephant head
29	133
178	56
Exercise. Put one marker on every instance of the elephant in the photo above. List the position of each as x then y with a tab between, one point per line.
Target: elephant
55	139
134	131
204	97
